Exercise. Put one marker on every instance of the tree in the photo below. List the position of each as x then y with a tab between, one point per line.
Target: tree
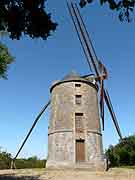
31	162
5	160
123	153
25	17
29	17
124	7
5	60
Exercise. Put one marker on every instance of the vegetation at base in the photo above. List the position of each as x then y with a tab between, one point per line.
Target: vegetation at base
32	162
122	154
22	163
5	160
128	167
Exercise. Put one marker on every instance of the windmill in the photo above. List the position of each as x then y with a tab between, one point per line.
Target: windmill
100	74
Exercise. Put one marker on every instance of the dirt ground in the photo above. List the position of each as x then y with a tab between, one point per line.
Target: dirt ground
44	174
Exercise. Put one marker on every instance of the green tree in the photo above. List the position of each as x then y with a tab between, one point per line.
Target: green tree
31	162
22	163
29	17
123	153
125	8
5	60
25	17
5	160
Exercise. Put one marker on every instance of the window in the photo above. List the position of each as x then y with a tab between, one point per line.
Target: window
79	122
78	99
77	85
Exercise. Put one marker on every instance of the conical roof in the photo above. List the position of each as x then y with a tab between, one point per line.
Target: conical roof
71	75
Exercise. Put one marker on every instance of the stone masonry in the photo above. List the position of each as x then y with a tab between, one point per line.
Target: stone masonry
63	135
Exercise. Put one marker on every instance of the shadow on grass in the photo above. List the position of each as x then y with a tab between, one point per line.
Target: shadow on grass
19	178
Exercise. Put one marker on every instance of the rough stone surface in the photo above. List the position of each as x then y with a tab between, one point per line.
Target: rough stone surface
62	133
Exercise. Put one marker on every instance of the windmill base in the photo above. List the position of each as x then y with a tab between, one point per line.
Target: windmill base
94	166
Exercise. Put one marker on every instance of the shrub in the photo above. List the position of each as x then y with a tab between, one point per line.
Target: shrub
123	153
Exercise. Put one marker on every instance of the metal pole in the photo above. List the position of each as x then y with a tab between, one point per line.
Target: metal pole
33	125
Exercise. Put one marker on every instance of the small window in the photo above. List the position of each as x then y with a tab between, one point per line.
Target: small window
79	122
78	99
77	85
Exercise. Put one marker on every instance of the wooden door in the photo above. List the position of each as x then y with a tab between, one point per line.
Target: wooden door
80	151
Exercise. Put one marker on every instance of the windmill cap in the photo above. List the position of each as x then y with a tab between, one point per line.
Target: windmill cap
75	77
72	75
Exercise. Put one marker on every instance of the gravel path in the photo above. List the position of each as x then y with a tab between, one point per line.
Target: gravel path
43	174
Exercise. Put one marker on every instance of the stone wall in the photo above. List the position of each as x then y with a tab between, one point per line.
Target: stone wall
94	147
61	149
62	134
64	107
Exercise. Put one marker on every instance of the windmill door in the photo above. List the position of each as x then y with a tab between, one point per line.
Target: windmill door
80	151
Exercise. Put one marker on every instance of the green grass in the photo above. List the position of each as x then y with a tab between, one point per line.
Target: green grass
128	167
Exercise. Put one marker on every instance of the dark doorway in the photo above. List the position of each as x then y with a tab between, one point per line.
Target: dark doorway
80	150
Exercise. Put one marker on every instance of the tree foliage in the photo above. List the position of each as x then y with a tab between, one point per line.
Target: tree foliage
124	7
29	17
123	153
31	162
5	160
25	17
5	60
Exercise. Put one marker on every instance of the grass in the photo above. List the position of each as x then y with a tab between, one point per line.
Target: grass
128	167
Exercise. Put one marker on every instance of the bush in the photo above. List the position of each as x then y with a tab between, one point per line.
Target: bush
5	160
123	153
31	162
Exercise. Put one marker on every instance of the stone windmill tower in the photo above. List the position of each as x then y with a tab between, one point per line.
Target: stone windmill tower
74	138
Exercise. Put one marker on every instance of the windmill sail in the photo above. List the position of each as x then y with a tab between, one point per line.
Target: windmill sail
110	107
102	101
92	60
103	71
92	50
81	35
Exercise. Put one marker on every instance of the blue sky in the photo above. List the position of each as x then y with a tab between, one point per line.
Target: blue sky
38	63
